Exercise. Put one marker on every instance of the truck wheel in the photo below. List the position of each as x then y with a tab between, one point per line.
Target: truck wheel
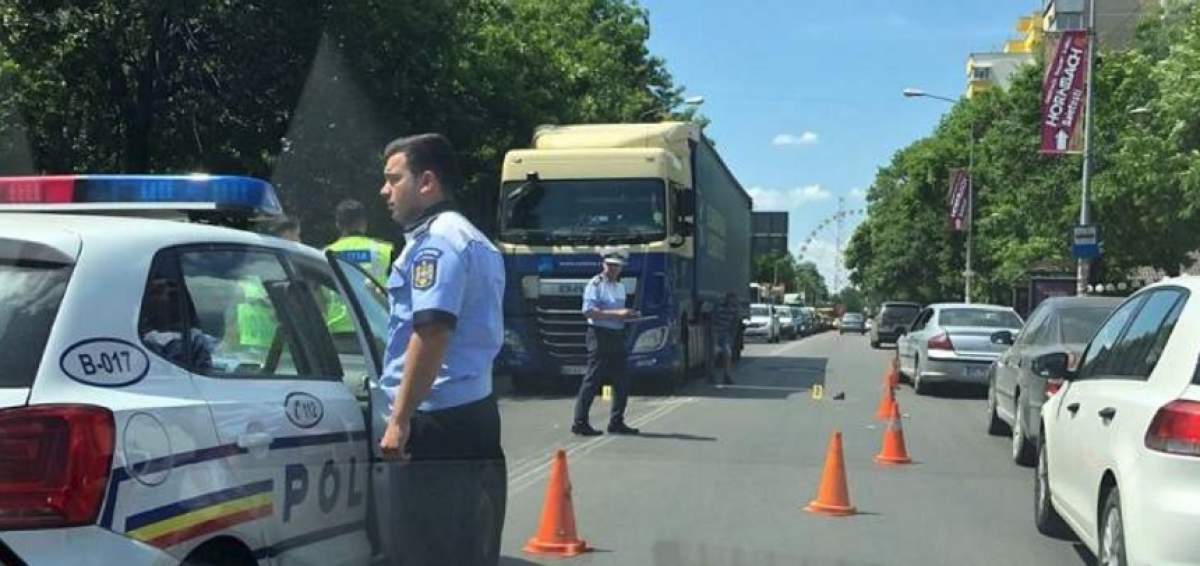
524	384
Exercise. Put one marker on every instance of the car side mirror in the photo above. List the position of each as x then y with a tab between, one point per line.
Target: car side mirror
903	330
1003	338
1055	365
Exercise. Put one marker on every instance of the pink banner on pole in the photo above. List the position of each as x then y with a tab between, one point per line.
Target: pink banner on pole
1064	94
959	198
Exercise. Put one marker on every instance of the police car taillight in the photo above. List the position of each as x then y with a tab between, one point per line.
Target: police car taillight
54	465
140	192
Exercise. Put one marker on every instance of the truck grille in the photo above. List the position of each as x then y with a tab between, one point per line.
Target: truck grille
562	329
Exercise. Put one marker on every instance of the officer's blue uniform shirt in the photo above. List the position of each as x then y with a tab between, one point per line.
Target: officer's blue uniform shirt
448	272
602	294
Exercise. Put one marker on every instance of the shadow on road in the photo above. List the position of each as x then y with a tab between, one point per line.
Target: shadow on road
765	378
957	391
514	561
1084	554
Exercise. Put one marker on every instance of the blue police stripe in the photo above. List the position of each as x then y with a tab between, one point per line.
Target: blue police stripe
317	439
307	539
187	505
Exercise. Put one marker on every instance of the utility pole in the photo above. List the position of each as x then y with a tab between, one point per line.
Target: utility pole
970	213
1084	267
837	247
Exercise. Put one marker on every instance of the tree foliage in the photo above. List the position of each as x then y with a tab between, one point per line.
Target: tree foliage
1144	190
307	93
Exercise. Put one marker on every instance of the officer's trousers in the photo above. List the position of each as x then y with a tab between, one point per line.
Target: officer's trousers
452	498
606	361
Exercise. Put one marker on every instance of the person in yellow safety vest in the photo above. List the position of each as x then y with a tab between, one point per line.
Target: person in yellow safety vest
255	316
373	256
256	322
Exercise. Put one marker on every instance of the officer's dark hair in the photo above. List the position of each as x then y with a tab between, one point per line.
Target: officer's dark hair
282	224
349	214
429	152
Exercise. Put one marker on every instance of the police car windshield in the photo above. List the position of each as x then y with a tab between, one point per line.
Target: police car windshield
30	293
584	211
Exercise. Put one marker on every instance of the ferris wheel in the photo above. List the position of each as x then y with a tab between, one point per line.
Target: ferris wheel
836	222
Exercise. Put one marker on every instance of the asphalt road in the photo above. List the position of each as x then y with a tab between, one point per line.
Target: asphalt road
722	473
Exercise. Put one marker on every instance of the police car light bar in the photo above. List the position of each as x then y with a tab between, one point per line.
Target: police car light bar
63	193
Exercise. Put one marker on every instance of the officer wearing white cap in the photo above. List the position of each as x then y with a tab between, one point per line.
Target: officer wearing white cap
446	328
604	307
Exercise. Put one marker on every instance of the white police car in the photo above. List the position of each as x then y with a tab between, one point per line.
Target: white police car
170	392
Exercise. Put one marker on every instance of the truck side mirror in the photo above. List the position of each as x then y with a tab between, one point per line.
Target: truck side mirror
686	202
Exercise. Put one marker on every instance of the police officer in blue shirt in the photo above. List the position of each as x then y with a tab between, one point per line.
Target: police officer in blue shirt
445	329
604	307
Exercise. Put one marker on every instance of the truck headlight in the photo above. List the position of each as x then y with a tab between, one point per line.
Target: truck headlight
513	342
651	340
531	286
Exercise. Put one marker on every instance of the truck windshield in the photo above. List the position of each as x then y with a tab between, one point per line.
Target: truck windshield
583	211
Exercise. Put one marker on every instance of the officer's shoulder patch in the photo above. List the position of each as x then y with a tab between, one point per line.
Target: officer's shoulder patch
424	272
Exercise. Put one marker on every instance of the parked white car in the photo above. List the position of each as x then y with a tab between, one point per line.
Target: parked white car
763	323
1119	449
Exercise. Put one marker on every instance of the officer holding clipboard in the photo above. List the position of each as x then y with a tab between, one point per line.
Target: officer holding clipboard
604	307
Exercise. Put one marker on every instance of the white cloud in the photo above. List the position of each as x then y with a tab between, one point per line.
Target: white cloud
858	193
787	199
806	138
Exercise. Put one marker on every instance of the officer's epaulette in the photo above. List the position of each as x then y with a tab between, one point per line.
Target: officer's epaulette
596	280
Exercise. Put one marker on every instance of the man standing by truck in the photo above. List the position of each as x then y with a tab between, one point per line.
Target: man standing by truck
725	321
604	307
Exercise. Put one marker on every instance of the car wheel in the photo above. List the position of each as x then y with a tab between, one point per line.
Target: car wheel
1045	517
1112	531
919	386
1022	449
996	427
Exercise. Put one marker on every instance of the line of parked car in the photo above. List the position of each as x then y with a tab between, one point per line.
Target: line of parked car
1101	395
774	323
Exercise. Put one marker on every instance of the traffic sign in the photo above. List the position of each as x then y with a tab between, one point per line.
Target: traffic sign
1085	242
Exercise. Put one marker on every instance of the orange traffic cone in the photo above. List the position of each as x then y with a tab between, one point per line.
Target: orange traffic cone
556	532
833	497
893	451
886	403
892	375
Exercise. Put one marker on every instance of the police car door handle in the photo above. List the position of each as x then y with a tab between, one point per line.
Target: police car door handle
251	440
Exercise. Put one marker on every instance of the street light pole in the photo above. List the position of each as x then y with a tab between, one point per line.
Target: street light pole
969	273
1083	269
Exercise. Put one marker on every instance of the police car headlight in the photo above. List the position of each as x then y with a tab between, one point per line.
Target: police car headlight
651	340
513	342
531	286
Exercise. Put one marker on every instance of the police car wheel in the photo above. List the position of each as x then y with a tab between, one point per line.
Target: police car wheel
223	551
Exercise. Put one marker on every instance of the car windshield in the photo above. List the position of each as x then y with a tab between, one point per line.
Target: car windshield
759	311
853	318
1077	325
979	317
899	314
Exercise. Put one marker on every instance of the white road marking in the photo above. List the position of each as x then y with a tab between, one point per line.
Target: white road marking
528	475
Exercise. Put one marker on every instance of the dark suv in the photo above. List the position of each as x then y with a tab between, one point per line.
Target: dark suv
893	316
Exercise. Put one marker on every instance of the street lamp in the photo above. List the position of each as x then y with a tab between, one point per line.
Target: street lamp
692	101
918	93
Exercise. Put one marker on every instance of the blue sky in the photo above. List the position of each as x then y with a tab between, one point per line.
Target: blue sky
805	97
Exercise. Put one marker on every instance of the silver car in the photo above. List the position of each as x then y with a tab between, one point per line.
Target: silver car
1015	392
952	342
